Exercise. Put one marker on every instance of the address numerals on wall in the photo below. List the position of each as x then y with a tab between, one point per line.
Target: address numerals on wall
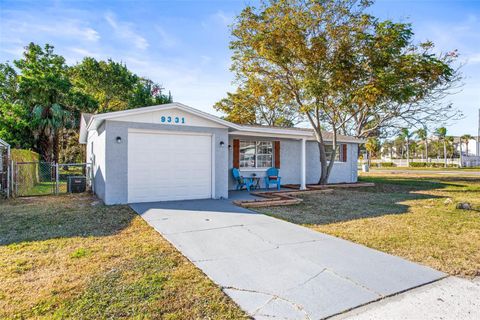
169	119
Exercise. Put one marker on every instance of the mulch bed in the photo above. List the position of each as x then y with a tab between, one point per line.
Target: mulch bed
287	197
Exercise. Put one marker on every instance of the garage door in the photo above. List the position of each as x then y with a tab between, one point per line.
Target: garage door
164	166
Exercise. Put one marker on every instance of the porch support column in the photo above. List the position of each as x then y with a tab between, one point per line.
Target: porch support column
303	166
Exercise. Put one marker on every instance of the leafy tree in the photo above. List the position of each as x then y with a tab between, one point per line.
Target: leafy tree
372	146
387	148
307	50
340	68
108	82
399	143
406	135
44	91
265	105
70	151
441	133
147	93
401	84
423	136
114	86
14	118
39	101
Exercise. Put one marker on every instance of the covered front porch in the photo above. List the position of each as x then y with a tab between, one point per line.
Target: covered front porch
295	155
254	155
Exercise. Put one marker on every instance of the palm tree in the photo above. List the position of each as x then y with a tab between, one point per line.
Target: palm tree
441	133
466	139
406	135
388	147
47	122
423	136
372	146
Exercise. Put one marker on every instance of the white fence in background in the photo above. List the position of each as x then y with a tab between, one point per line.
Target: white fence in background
404	163
470	161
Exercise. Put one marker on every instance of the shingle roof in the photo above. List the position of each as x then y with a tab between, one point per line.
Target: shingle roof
327	135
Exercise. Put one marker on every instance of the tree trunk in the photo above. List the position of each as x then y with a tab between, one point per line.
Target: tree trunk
426	149
44	148
408	153
445	151
55	147
323	164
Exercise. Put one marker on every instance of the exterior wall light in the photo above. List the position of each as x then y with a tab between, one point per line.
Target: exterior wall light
118	139
222	144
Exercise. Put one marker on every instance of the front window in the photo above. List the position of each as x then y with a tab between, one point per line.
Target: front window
256	154
328	152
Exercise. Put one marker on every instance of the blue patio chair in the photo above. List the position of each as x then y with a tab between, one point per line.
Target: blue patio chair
241	181
272	178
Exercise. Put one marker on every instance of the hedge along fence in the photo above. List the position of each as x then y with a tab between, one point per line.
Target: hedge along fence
27	174
431	165
385	164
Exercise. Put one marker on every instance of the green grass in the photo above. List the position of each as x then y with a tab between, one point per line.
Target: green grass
43	188
474	169
413	216
71	257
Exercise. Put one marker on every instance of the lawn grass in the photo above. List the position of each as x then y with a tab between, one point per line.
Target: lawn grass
43	189
467	169
412	216
71	257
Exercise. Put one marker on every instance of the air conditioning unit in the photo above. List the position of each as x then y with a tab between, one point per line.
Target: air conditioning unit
76	184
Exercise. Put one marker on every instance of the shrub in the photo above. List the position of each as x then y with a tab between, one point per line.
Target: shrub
23	155
28	175
431	165
386	164
419	164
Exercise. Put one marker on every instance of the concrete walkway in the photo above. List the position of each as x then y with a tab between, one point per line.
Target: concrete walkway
276	269
450	298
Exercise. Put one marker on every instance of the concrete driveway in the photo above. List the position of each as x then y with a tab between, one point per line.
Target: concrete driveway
276	269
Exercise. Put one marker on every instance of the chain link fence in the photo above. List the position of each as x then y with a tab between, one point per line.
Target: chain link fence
46	178
4	169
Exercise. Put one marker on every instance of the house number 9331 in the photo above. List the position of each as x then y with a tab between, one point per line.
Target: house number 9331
169	119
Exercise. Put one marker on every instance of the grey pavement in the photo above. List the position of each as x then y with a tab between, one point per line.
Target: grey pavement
275	269
449	298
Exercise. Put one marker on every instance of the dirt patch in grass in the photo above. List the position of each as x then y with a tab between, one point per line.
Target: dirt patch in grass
69	257
410	216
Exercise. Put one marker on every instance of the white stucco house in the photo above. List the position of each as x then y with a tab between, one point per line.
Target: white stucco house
175	152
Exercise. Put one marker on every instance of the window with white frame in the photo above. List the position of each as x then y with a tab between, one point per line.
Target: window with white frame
329	150
256	154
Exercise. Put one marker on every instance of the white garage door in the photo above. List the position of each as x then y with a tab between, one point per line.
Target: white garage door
164	166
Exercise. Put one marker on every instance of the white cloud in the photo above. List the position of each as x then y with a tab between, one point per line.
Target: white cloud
124	30
191	83
25	25
167	40
76	54
14	51
225	18
204	60
473	58
219	18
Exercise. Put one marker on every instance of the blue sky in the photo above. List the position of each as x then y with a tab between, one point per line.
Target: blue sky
184	44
